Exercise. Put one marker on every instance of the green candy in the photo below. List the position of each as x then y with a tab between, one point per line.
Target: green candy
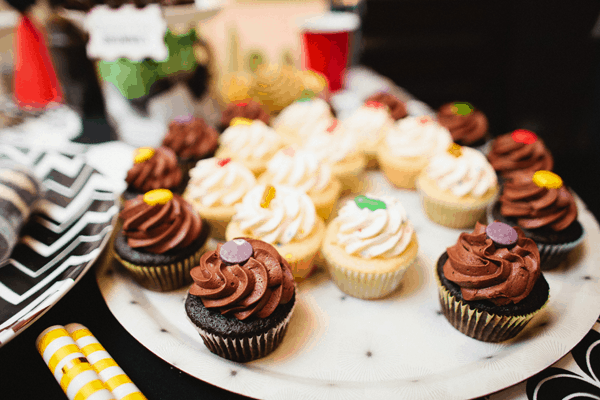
462	108
372	204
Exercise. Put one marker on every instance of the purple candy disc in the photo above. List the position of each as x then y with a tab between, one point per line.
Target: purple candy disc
236	251
502	234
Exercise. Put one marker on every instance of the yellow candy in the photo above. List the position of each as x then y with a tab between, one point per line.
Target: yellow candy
268	195
547	179
142	154
158	196
240	121
455	150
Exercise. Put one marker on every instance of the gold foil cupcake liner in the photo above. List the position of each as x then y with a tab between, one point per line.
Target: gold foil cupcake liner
245	349
481	325
163	278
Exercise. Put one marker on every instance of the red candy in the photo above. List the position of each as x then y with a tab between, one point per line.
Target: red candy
223	162
241	104
524	136
332	126
374	104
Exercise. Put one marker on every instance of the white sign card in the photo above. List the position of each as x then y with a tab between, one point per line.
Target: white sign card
130	32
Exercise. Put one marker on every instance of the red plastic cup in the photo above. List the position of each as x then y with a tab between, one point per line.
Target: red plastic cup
326	44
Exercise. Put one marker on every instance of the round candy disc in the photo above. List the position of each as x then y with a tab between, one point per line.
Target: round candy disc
547	179
374	104
142	154
236	251
289	151
223	162
240	121
455	150
462	108
523	136
333	125
268	195
501	234
372	204
158	196
184	118
241	104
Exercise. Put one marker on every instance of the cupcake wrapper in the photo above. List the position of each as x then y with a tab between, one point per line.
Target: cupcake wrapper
245	349
452	216
365	285
163	278
481	325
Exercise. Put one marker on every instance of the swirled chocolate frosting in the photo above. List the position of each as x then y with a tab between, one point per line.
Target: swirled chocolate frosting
502	275
250	110
191	139
465	129
162	227
395	105
254	288
536	207
508	156
159	171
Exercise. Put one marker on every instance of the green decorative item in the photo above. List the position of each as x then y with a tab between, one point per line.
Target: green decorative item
462	108
372	204
255	58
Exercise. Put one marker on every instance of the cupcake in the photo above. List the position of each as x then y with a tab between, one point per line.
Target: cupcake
152	169
407	149
303	114
284	217
369	125
302	170
192	140
242	299
249	109
369	246
457	186
545	210
395	106
251	143
216	186
490	282
334	146
161	240
520	150
467	125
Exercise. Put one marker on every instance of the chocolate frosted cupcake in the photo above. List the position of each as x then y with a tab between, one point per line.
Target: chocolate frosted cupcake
520	150
250	110
544	208
396	107
192	140
161	241
152	169
467	125
490	282
242	299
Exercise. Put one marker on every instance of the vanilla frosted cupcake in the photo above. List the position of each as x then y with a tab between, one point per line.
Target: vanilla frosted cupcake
249	142
457	186
302	170
336	147
301	116
369	246
284	217
215	187
407	149
369	124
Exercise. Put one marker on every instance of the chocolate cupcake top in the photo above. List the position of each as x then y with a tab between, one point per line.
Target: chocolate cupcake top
159	221
191	139
153	169
486	269
520	150
538	200
250	109
466	124
243	277
396	107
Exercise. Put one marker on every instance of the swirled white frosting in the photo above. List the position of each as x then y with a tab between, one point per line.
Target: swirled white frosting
214	185
331	147
417	136
299	169
469	174
369	124
247	142
381	233
302	114
290	216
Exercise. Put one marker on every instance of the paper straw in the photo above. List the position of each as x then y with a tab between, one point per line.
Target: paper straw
107	369
71	369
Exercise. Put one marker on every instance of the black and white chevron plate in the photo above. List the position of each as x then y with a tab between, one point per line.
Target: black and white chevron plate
64	235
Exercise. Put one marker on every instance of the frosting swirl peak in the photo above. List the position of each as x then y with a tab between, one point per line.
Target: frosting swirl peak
250	110
417	136
508	156
299	169
396	107
191	139
160	170
465	129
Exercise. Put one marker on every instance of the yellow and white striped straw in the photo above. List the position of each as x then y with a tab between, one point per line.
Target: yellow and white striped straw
71	369
109	372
